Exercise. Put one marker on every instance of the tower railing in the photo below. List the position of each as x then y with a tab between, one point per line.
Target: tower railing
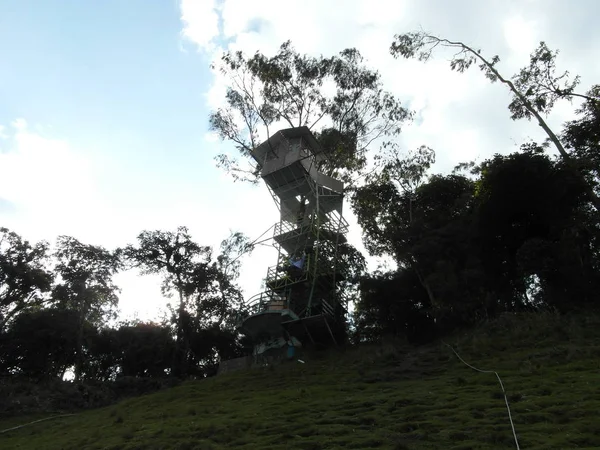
284	274
335	224
264	301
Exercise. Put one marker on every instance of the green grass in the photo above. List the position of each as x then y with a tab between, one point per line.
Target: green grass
386	397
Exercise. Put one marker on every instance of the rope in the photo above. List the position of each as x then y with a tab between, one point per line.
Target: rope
501	385
35	421
249	247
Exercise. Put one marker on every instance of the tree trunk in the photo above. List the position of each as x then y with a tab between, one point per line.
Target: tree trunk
425	285
79	344
180	356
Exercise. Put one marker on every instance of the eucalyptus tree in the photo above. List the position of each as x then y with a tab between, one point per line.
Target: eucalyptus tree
535	89
338	98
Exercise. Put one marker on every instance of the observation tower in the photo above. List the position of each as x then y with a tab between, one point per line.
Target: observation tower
303	300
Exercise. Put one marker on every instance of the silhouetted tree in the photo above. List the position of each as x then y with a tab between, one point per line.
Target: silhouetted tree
396	304
531	223
517	235
186	270
144	349
24	276
86	286
41	344
582	136
535	89
206	289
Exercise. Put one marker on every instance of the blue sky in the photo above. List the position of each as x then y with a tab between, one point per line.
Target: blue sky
117	84
109	75
104	105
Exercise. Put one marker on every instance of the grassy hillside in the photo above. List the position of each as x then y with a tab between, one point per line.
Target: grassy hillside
387	397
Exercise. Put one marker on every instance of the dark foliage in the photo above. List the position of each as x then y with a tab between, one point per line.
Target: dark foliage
24	277
518	236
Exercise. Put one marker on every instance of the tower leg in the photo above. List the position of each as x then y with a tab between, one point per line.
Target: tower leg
330	332
307	332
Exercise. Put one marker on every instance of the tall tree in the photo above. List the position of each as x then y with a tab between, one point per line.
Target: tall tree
24	277
293	89
86	286
205	289
423	222
185	269
535	89
385	204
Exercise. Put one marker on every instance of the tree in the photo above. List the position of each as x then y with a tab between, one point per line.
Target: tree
582	136
206	289
395	181
291	88
228	266
212	344
185	269
535	89
532	225
393	303
86	286
144	349
104	354
40	344
407	173
132	349
24	277
425	223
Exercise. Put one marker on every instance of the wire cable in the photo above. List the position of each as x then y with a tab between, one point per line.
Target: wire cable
35	421
501	385
249	247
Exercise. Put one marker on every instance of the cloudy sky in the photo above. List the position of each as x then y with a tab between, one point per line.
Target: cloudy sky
104	105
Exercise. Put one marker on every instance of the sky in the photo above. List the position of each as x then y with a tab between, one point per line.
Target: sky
104	106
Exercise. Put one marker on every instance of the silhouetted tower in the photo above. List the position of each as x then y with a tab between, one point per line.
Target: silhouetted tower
303	296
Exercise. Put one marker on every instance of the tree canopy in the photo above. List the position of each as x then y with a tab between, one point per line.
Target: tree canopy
24	275
340	99
207	295
534	90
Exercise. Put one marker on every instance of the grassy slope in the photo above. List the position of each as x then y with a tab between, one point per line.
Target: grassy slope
375	397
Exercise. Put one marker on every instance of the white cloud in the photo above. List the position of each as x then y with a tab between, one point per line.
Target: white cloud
40	173
521	36
431	89
200	22
19	124
216	93
438	95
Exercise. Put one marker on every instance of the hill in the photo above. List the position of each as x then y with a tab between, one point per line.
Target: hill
387	396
